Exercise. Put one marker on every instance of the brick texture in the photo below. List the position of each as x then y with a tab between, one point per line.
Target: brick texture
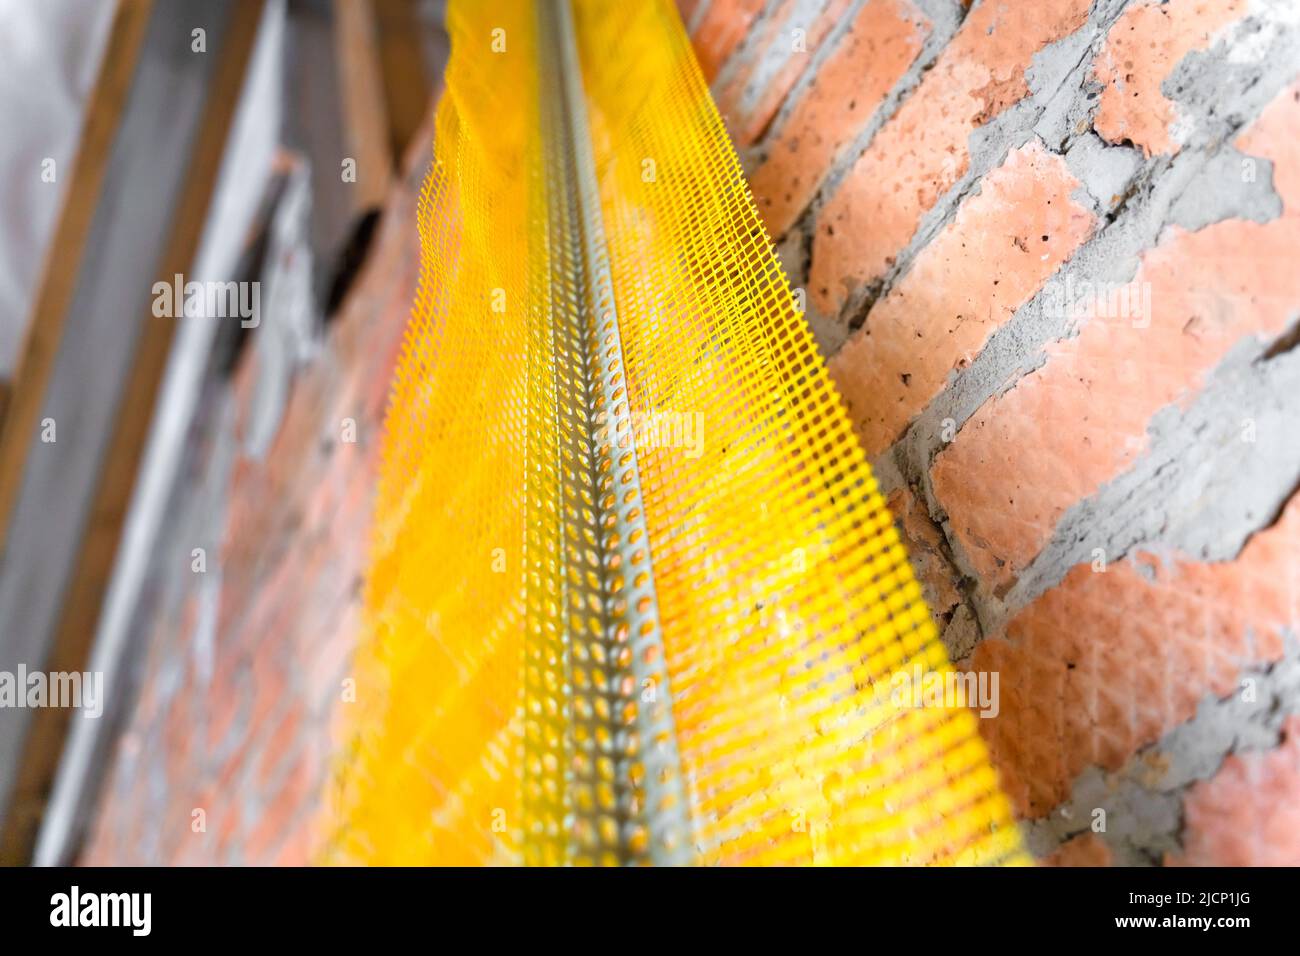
1087	849
1079	420
722	29
750	99
870	58
1108	662
923	150
938	582
1141	50
240	669
1248	814
996	253
248	739
1094	666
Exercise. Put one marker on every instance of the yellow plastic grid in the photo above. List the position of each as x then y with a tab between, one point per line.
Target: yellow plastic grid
786	605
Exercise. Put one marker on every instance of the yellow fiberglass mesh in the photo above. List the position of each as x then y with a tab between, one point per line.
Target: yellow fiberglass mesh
635	595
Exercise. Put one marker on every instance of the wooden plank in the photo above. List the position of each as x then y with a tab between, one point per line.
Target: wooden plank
194	170
364	110
407	85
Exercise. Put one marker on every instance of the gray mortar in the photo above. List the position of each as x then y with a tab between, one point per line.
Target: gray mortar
698	17
946	17
1068	99
1105	172
1217	91
790	253
1143	800
1161	191
961	633
779	53
747	50
198	508
1199	489
1218	193
1060	70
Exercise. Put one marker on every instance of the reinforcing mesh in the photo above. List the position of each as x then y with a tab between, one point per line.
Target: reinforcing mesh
635	596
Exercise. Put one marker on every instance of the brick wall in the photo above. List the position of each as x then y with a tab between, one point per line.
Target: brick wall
227	755
1049	251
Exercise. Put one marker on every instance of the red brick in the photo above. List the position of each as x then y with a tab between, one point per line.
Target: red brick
178	730
190	848
987	262
228	695
228	824
371	328
922	151
749	110
244	380
722	29
1248	814
298	847
246	522
288	803
1087	849
1080	419
294	458
327	660
283	742
1106	663
270	680
1141	49
872	56
294	542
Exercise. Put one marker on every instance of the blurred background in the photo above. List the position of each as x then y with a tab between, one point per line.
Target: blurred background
185	495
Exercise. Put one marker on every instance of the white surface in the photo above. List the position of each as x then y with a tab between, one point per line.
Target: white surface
49	57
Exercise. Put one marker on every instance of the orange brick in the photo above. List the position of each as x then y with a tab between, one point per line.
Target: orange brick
1080	419
1106	663
288	804
283	741
747	108
222	702
1248	814
1142	48
226	820
987	262
922	150
298	847
295	541
1087	849
722	29
872	56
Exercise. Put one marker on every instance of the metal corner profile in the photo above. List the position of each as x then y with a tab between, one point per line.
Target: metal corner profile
626	792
